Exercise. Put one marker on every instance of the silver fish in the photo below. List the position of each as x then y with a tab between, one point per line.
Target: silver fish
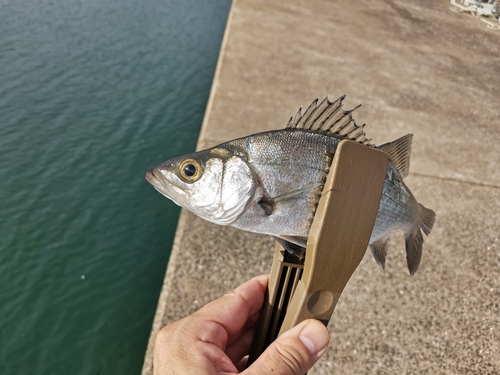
271	182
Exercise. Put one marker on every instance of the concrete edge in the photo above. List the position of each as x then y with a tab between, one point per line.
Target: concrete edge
147	367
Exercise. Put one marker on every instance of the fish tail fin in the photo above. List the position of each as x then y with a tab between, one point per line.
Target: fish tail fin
415	240
428	218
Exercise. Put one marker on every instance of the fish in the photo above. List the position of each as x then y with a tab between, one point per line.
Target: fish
271	182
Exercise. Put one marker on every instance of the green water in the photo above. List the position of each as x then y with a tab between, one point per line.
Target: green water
92	94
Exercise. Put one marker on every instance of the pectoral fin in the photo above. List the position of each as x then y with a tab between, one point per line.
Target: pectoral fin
269	203
293	194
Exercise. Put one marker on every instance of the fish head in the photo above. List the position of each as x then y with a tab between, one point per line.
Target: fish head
215	184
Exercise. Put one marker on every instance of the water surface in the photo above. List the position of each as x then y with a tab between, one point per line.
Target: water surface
92	95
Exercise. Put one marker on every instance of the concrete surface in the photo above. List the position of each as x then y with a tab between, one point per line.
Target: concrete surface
418	68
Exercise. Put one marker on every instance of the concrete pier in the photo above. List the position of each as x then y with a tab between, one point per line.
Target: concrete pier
417	67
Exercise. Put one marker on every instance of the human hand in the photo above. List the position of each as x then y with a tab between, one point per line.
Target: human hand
216	339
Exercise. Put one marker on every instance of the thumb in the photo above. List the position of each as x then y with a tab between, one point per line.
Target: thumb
294	352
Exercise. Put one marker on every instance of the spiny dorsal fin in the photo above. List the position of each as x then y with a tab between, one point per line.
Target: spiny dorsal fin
330	117
399	151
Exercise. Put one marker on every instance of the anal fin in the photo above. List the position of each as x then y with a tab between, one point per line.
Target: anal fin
379	251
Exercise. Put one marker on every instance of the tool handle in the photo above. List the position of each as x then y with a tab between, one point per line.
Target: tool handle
336	244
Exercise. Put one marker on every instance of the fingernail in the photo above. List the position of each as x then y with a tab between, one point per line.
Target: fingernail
315	337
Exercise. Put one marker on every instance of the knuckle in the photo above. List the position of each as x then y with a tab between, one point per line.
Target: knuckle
162	336
166	333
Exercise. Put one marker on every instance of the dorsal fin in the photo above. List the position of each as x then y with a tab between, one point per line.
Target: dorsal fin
330	117
399	151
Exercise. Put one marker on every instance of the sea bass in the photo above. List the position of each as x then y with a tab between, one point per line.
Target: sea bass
271	182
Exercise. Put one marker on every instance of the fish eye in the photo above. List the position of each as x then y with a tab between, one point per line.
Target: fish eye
190	170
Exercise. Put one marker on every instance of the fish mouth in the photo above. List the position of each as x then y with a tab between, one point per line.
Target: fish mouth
152	178
162	185
157	179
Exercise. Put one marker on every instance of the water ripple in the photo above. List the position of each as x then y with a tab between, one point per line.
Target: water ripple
92	95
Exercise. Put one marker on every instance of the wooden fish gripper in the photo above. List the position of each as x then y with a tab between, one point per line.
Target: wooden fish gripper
338	239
